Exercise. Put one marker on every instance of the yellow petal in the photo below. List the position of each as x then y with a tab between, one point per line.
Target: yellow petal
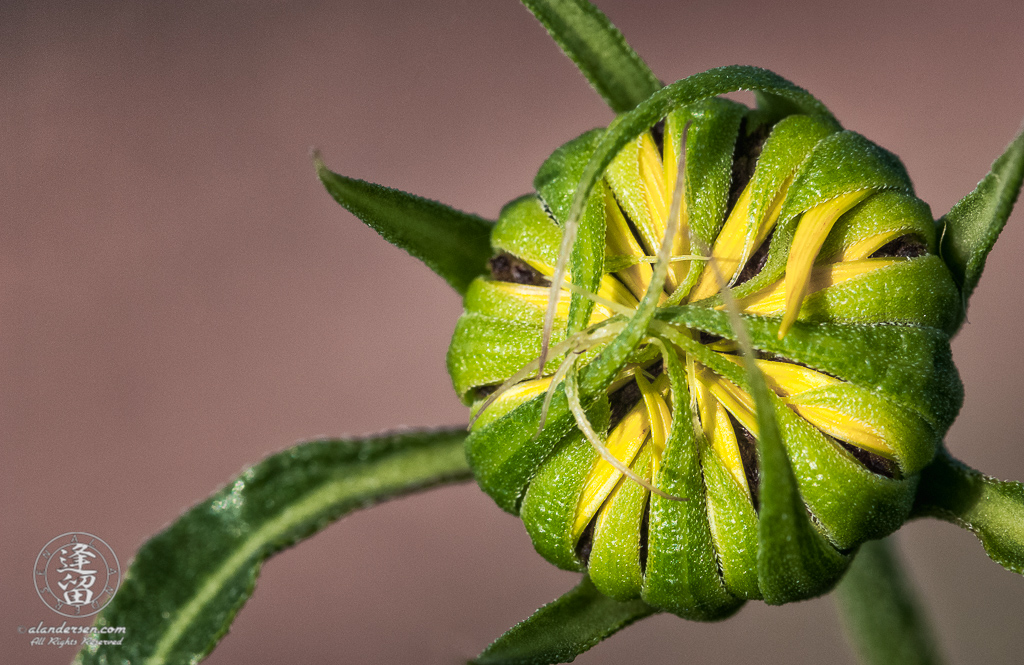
811	232
846	428
537	296
733	398
727	250
771	301
657	412
621	242
788	379
719	432
624	443
510	399
862	249
737	241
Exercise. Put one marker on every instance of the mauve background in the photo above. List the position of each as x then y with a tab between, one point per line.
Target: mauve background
179	297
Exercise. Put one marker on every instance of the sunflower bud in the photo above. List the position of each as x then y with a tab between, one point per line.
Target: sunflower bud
631	448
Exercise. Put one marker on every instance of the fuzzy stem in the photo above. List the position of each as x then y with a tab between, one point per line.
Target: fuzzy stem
882	618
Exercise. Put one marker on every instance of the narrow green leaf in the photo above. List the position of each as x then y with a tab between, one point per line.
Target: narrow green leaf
454	244
564	628
185	585
992	509
598	49
974	223
883	619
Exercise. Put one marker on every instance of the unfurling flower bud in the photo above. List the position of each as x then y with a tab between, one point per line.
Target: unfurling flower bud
632	449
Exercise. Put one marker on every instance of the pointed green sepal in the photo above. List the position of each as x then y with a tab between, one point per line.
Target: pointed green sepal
598	49
564	628
794	560
973	225
454	244
992	509
186	585
881	614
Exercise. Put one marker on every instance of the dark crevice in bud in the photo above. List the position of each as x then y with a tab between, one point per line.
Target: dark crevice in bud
908	246
645	525
622	400
586	542
783	359
748	455
483	392
744	159
507	268
658	134
708	338
628	396
756	262
872	462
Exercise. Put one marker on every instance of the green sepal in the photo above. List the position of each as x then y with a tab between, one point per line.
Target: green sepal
682	574
973	225
912	292
549	507
883	619
598	49
733	523
991	509
507	454
454	244
554	183
914	442
564	628
525	230
614	564
186	584
840	163
794	560
710	144
485	350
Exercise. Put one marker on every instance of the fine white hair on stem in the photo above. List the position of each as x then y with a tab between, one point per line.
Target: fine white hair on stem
558	278
573	397
583	340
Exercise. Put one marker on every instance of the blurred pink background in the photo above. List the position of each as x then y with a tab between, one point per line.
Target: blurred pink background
179	297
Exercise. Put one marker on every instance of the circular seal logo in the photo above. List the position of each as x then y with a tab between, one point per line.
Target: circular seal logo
77	574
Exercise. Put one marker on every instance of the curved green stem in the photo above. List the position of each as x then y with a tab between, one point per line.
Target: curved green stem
992	509
883	620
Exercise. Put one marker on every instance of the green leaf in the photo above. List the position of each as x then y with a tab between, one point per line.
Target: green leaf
564	628
974	223
991	509
598	49
454	244
880	612
186	584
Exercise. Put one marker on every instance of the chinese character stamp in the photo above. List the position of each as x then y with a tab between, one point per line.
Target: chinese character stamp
77	574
